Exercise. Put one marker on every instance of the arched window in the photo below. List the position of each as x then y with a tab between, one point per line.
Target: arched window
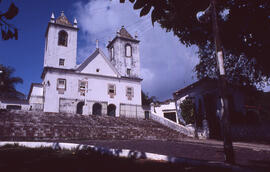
62	38
128	50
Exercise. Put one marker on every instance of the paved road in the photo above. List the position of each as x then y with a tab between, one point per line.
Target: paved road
245	154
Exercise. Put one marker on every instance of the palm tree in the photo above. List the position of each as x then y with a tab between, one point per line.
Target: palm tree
8	82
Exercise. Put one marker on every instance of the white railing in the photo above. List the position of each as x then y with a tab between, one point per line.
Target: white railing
177	127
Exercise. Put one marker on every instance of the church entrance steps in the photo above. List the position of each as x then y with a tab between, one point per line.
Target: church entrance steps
30	125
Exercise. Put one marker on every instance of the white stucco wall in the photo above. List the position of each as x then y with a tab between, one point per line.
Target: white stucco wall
164	108
97	90
3	105
36	98
53	52
37	91
99	63
121	62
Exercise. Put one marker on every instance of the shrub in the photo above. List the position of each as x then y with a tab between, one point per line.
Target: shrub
187	111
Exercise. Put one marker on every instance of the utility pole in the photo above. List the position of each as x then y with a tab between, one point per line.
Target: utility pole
222	85
226	127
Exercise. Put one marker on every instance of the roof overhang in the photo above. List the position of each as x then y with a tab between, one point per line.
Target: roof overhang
123	38
75	72
189	88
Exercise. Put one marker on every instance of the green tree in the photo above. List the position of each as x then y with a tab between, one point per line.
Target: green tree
8	31
8	82
244	27
147	100
187	111
239	70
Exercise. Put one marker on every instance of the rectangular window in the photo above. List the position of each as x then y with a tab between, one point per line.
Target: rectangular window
61	62
128	72
61	84
112	53
130	92
170	116
83	87
111	89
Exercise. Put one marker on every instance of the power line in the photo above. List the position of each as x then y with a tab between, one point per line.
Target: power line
115	28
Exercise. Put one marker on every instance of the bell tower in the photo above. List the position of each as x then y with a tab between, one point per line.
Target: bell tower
124	54
61	43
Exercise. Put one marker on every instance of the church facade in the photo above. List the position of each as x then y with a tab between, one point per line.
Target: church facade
100	85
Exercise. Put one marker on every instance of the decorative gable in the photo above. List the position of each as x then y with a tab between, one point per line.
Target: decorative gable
124	33
98	64
62	19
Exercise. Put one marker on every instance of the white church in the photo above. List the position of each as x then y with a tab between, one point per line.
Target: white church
98	86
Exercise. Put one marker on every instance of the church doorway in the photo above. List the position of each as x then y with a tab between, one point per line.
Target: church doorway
80	107
111	110
97	109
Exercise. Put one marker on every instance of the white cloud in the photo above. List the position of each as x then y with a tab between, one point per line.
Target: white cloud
266	89
166	64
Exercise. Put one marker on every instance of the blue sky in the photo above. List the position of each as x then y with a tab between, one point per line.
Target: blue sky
166	64
26	54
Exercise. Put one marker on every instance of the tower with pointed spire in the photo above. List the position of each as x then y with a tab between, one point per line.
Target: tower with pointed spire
99	85
61	43
124	54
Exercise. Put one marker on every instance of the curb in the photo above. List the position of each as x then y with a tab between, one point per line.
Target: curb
127	153
252	146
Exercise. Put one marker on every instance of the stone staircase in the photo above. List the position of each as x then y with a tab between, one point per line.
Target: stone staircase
30	125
